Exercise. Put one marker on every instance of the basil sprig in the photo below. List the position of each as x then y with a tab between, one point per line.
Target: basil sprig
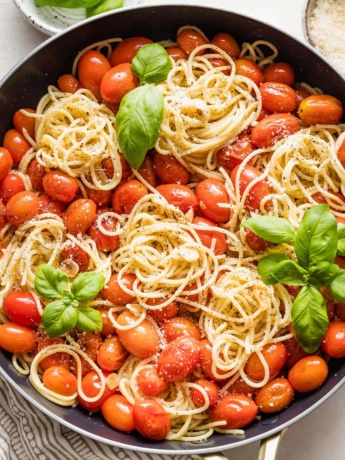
65	313
140	114
316	242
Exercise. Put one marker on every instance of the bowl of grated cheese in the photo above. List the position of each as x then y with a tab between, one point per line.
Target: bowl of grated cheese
324	28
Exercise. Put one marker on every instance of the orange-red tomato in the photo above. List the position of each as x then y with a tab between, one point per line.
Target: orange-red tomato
60	380
179	359
180	327
273	128
77	255
308	373
242	387
212	195
89	342
91	387
23	121
67	83
102	198
227	43
278	97
147	172
117	82
275	396
320	109
179	195
22	207
16	338
295	352
113	291
3	218
217	62
301	93
169	170
249	69
206	360
21	308
211	391
165	313
280	72
257	192
79	216
16	144
141	340
111	354
36	173
333	343
108	168
209	236
118	412
6	162
60	186
104	242
48	204
127	49
59	359
126	196
339	199
176	53
236	411
189	39
10	186
275	355
92	66
151	420
232	155
108	327
150	383
254	241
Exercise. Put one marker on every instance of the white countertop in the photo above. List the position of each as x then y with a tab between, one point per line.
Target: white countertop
320	435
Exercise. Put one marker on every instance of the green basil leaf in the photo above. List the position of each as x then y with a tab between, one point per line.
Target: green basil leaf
103	6
151	63
138	122
309	318
316	238
337	287
273	229
58	318
87	285
323	274
341	240
290	273
67	3
49	282
89	319
267	264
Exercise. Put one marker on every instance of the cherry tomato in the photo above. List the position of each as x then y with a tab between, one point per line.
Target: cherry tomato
89	342
278	97
227	43
162	314
176	53
333	343
147	172
275	396
60	186
21	308
211	195
127	49
22	121
169	170
60	380
59	359
150	383
10	186
142	340
339	311
320	109
102	198
295	352
232	155
151	420
67	83
108	327
217	62
321	199
16	338
48	204
113	292
126	196
79	216
111	354
179	359
179	195
76	254
3	218
308	373
189	39
275	355
92	66
257	192
108	167
180	327
301	94
16	144
340	154
36	173
206	360
236	410
118	412
211	390
280	72
210	234
6	162
273	128
249	69
22	207
254	241
91	386
241	387
104	242
117	82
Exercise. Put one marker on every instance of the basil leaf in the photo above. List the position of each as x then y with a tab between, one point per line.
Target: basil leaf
267	264
316	238
138	122
151	63
337	287
87	285
273	229
341	240
309	318
290	273
89	319
58	318
323	274
103	6
67	3
49	282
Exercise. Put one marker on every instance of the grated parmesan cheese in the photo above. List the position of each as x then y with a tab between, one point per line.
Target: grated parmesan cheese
327	30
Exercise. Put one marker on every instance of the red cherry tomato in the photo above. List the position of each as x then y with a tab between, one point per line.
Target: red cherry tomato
179	195
117	82
126	196
111	354
320	109
108	327
236	410
3	218
180	327
163	314
217	62
295	352
48	204
60	186
108	168
91	386
280	72
227	43
278	97
151	420
59	359
254	241
206	360
249	69
257	192
241	387
147	172
189	39
127	49
36	173
6	162
275	396
211	195
21	308
210	236
273	128
275	355
60	380
118	412
113	291
67	83
79	216
22	121
89	342
176	53
92	66
333	343
230	156
211	389
76	254
169	170
10	186
16	144
104	242
22	207
102	198
17	339
308	373
150	383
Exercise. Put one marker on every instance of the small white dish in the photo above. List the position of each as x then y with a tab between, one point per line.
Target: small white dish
52	20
